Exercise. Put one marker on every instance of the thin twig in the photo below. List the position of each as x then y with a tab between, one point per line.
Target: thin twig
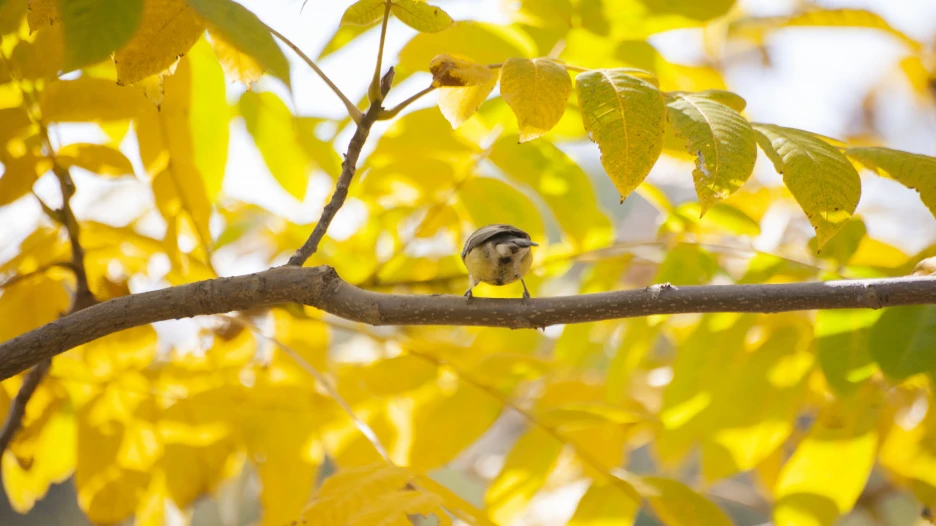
374	93
392	112
18	407
353	110
348	167
40	270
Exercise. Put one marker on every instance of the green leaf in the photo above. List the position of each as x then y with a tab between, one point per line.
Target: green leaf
626	117
842	342
903	339
96	158
821	179
421	16
363	13
562	184
343	36
244	31
272	126
843	244
93	29
687	264
917	172
721	140
537	91
693	9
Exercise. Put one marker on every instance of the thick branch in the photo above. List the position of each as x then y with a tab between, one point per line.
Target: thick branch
321	287
348	167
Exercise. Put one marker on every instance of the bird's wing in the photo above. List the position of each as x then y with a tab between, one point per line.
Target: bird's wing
485	233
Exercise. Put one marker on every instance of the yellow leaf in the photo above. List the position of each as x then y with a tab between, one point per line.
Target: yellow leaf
525	470
343	36
604	505
824	183
307	337
721	140
909	169
244	32
210	118
626	116
89	99
678	505
393	509
11	16
272	126
237	65
168	31
537	91
459	104
460	418
754	28
166	147
421	16
42	13
43	451
828	471
454	71
95	158
19	175
363	13
350	489
22	313
909	455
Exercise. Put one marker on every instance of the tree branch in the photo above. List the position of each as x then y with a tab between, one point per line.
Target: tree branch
392	112
320	287
374	92
348	167
353	110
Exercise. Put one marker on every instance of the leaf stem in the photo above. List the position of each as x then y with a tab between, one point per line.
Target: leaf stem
374	93
392	112
353	110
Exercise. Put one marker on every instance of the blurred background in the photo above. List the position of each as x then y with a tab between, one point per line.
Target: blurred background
863	85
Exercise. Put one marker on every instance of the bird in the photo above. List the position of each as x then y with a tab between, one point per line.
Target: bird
498	255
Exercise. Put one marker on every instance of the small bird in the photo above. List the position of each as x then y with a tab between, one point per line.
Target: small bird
498	255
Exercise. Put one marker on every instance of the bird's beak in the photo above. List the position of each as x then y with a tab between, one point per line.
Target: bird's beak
532	244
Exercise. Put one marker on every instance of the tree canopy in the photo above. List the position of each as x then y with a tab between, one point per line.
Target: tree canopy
684	375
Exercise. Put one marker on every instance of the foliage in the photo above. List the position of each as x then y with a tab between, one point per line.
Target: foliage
344	424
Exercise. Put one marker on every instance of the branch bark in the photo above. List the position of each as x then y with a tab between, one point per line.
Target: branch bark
320	287
348	168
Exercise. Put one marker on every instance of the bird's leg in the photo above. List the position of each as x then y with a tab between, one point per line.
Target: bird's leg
526	293
472	283
468	293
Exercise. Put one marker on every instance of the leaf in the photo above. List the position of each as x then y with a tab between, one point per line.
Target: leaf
692	9
363	13
460	417
21	313
11	15
452	71
89	99
626	117
350	489
245	32
821	179
484	43
604	505
678	505
343	36
210	118
421	16
525	471
860	18
721	140
917	172
830	467
394	509
236	65
272	126
95	158
843	244
902	341
843	344
169	30
459	104
537	91
93	29
562	184
19	175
